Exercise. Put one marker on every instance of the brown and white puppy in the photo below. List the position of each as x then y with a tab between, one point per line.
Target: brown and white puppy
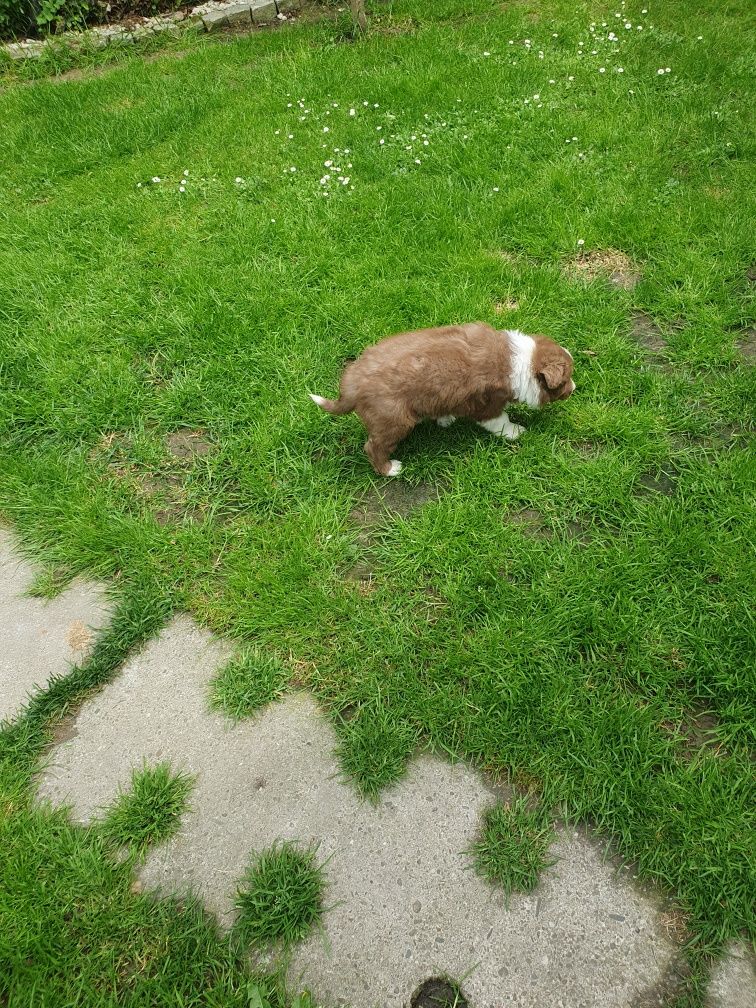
452	371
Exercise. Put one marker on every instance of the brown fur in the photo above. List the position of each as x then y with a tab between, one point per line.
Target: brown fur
458	370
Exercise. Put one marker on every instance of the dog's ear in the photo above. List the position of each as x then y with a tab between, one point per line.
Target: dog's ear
554	374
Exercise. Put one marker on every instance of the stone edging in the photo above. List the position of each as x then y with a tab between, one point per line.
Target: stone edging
213	16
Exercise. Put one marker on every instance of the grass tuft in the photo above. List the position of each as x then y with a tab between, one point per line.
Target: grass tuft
249	682
513	848
280	898
151	810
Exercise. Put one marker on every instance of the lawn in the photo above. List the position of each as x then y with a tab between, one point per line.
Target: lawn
190	244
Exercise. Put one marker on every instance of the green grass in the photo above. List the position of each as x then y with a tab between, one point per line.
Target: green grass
247	683
561	612
151	810
280	898
512	850
74	929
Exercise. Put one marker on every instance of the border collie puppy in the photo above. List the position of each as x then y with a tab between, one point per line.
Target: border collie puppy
451	371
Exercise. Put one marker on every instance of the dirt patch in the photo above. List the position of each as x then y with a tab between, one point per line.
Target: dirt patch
395	497
696	731
509	305
660	481
81	73
438	993
64	730
751	272
530	522
188	444
746	343
609	264
362	577
647	333
162	487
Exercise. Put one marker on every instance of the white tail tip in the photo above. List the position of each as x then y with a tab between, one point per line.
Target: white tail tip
318	400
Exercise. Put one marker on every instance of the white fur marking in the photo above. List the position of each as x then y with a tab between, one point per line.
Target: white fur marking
501	426
318	400
445	421
395	468
525	387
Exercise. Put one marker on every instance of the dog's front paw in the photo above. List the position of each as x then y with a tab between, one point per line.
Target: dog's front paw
394	467
512	431
445	421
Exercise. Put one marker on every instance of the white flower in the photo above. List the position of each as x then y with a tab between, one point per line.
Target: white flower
620	69
495	188
574	138
486	53
292	169
272	220
581	241
352	111
425	143
381	141
186	172
628	25
570	78
155	178
277	132
602	69
345	180
660	71
327	164
182	189
376	105
326	129
139	185
645	10
290	136
417	160
552	82
667	70
238	180
536	97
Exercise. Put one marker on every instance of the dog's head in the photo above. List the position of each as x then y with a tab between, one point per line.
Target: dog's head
552	370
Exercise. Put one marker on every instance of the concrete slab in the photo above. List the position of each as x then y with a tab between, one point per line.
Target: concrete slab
733	981
41	639
404	902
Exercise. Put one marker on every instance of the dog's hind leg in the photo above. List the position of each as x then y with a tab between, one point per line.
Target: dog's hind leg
384	434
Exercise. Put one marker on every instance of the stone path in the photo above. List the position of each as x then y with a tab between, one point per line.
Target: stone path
41	639
404	904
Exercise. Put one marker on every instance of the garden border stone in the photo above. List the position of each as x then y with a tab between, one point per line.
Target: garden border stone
215	15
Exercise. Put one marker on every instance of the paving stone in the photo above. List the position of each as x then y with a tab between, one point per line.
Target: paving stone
404	902
263	12
215	20
41	639
733	982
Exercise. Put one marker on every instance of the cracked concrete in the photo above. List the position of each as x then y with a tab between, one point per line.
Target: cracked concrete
733	980
41	638
403	901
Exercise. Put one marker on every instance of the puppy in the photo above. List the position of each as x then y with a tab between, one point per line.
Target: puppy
452	371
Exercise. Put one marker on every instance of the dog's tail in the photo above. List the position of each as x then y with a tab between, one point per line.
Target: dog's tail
337	406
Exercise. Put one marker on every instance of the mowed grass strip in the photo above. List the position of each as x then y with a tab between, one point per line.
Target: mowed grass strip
566	609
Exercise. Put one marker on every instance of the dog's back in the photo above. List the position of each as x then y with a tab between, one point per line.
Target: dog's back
426	371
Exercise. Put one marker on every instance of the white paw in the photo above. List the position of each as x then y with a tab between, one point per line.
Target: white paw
445	421
513	431
395	467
